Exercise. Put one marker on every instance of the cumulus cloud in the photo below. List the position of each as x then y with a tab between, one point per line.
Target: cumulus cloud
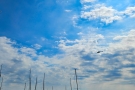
28	51
106	14
113	66
87	43
117	62
17	62
130	11
126	41
121	54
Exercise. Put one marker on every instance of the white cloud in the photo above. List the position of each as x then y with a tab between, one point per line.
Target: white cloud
106	14
17	62
119	37
130	11
85	7
86	44
74	19
87	1
127	41
68	10
6	50
28	51
115	63
37	46
117	58
43	39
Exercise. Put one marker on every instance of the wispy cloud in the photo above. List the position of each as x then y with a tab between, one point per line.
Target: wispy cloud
87	1
68	10
37	46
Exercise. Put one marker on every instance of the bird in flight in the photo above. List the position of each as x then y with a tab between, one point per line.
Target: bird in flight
99	51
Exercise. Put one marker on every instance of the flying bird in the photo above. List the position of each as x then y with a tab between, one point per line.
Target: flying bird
99	51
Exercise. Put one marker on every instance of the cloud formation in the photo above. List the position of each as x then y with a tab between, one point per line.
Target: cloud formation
115	64
111	64
114	68
105	14
130	11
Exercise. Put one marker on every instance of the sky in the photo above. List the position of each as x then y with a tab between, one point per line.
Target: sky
56	37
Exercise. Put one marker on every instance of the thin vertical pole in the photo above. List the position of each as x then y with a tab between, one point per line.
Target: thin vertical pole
65	88
30	80
44	82
52	87
70	84
36	84
76	79
0	70
1	84
25	86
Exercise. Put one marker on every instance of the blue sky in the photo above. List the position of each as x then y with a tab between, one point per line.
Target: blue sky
55	36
